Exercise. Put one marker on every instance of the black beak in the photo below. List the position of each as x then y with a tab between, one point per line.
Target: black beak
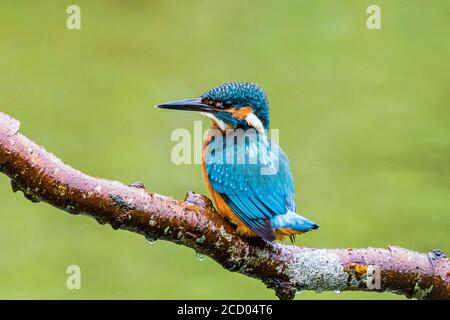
188	105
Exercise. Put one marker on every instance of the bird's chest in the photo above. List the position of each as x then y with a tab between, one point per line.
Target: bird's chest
230	159
234	147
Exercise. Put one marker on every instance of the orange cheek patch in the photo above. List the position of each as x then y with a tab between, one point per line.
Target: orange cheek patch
240	113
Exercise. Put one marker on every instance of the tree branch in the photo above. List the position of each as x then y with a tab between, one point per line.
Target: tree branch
193	223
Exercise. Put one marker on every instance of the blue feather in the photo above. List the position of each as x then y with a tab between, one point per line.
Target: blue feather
260	190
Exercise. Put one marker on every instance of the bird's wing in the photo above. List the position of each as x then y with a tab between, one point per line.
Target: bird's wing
256	187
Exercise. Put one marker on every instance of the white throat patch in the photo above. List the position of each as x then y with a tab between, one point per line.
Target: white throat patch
251	119
222	125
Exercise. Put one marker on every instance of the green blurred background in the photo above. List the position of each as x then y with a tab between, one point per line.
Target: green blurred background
363	116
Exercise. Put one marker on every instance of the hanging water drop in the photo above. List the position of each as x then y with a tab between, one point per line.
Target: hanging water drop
151	240
200	256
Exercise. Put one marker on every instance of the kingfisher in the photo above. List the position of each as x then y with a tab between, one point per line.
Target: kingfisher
247	175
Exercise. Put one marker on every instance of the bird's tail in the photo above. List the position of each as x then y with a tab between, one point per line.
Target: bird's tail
291	220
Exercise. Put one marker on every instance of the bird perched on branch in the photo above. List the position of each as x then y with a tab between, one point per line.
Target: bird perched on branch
247	175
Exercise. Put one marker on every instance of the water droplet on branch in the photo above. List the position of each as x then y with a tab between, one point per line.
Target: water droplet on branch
200	256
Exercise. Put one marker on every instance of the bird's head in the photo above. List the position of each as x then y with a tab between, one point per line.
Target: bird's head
230	105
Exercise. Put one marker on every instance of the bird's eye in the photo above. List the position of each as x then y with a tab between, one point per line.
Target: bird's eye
227	104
